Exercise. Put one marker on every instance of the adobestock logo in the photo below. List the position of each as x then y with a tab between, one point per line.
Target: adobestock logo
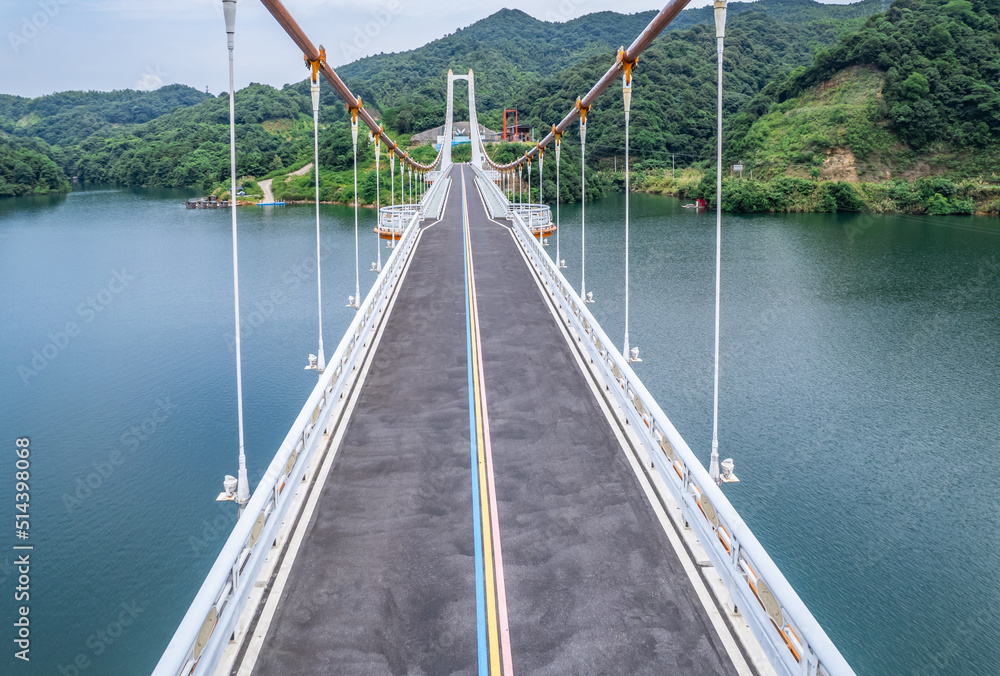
32	25
88	310
365	35
567	9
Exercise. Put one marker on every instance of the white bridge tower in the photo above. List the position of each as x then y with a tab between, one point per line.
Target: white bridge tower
449	124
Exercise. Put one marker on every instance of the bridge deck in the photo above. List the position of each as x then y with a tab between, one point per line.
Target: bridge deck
385	580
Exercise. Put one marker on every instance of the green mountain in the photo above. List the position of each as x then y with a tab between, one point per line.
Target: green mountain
190	146
674	93
814	93
905	113
39	138
510	50
918	85
538	66
67	118
27	168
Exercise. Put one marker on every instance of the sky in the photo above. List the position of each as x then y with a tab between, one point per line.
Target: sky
58	45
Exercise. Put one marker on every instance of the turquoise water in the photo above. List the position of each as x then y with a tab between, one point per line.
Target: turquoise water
859	381
860	366
133	421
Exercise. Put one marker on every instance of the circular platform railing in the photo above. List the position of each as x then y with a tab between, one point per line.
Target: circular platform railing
538	218
393	220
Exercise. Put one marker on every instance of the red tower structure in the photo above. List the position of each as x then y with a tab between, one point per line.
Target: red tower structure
509	110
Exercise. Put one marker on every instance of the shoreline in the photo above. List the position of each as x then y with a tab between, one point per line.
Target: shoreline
924	196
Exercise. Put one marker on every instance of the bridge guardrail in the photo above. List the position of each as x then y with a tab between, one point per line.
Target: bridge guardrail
790	637
498	208
534	215
394	219
198	644
432	203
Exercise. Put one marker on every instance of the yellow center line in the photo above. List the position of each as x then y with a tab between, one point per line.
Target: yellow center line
491	604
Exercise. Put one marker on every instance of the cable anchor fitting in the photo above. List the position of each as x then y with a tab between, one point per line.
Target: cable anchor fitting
626	66
583	111
315	65
354	120
626	78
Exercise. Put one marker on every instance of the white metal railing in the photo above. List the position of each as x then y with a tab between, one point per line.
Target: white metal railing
433	201
533	215
495	204
201	638
789	635
396	218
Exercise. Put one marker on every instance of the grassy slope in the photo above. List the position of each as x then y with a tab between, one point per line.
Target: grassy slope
837	130
832	131
912	95
673	99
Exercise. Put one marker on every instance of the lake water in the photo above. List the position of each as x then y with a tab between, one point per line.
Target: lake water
859	380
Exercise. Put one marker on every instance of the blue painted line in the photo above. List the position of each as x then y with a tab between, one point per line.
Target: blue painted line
477	521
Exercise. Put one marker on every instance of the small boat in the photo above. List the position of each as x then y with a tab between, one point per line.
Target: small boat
210	202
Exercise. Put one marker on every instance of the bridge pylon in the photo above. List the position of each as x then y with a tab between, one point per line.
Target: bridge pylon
449	124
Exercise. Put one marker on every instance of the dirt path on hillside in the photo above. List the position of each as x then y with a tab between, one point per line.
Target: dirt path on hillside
265	185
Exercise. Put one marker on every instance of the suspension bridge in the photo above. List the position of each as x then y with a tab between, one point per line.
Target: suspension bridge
479	482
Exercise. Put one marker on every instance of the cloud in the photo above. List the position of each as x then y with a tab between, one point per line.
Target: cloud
146	8
83	46
148	82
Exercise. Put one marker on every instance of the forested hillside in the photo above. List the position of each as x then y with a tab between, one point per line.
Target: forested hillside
674	96
190	146
26	168
941	60
904	115
814	94
133	137
39	138
67	118
510	50
506	50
